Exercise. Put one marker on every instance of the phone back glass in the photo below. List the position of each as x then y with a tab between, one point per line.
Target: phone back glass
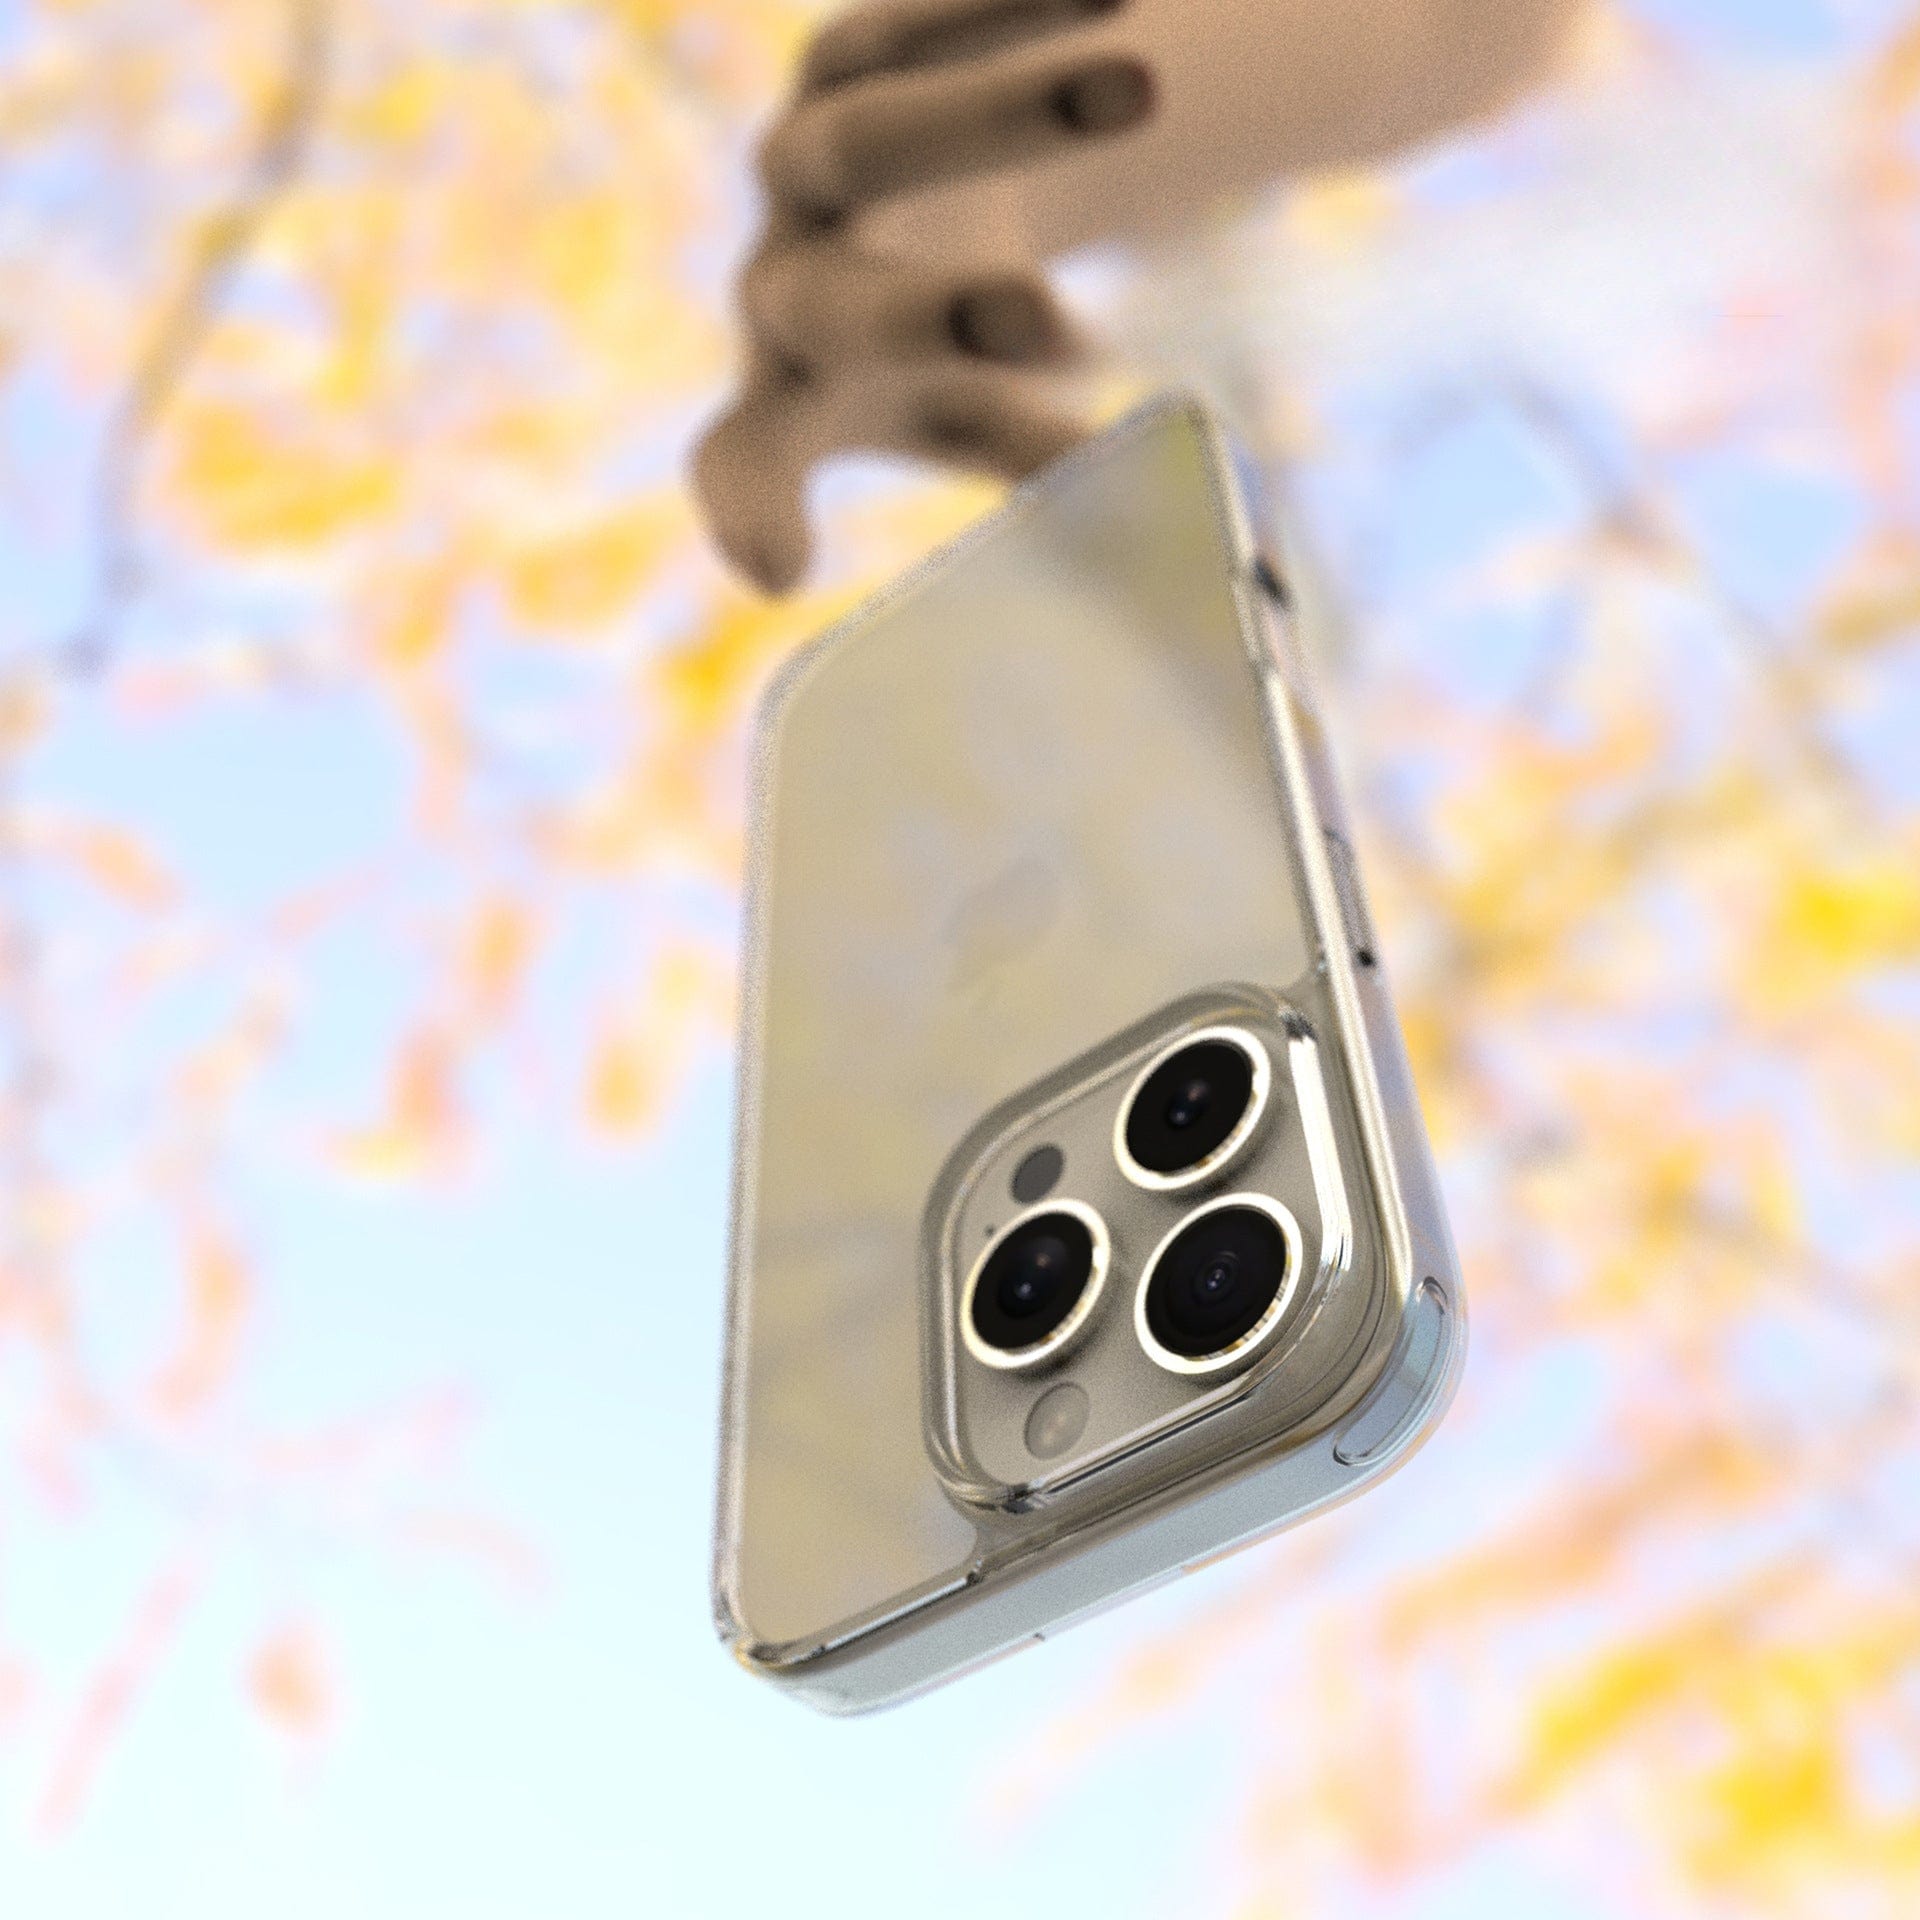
1017	805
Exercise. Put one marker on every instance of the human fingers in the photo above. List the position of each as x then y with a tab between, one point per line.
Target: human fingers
827	304
749	474
751	468
888	133
890	36
975	419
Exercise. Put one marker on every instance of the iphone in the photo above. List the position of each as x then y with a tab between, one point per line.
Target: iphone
1084	1225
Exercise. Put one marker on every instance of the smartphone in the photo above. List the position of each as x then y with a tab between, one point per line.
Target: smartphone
1084	1225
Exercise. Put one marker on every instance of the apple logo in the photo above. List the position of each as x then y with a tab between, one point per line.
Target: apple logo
1001	919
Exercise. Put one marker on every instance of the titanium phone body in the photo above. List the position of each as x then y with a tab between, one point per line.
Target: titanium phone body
1085	1226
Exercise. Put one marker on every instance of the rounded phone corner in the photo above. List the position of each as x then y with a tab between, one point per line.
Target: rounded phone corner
752	1650
729	1623
764	1659
1416	1386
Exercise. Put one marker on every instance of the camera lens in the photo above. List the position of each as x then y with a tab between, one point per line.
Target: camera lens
1192	1108
1034	1286
1218	1284
1039	1274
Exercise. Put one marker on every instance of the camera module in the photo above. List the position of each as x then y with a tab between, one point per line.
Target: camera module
1192	1108
1034	1285
1218	1285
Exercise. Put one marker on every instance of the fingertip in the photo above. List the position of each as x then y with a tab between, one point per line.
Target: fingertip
775	566
762	558
750	507
772	565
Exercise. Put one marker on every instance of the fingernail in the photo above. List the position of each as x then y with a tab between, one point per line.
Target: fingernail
1104	97
1005	322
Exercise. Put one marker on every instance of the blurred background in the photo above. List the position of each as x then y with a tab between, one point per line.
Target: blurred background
370	820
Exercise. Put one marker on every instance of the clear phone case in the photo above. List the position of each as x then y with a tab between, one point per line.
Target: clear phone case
1054	801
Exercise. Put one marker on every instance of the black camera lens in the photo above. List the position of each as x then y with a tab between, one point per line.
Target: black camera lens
1189	1107
1031	1281
1216	1281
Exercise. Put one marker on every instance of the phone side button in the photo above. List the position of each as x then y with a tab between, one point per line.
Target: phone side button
1270	581
1400	1398
1353	902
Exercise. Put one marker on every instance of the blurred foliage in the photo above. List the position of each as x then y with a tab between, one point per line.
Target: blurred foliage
347	354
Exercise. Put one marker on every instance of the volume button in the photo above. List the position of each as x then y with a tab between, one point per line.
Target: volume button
1270	581
1353	903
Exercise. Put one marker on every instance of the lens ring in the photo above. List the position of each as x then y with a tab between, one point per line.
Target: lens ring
1020	1359
1238	1352
1220	1157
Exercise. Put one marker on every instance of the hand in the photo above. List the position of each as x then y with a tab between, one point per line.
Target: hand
848	346
936	152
